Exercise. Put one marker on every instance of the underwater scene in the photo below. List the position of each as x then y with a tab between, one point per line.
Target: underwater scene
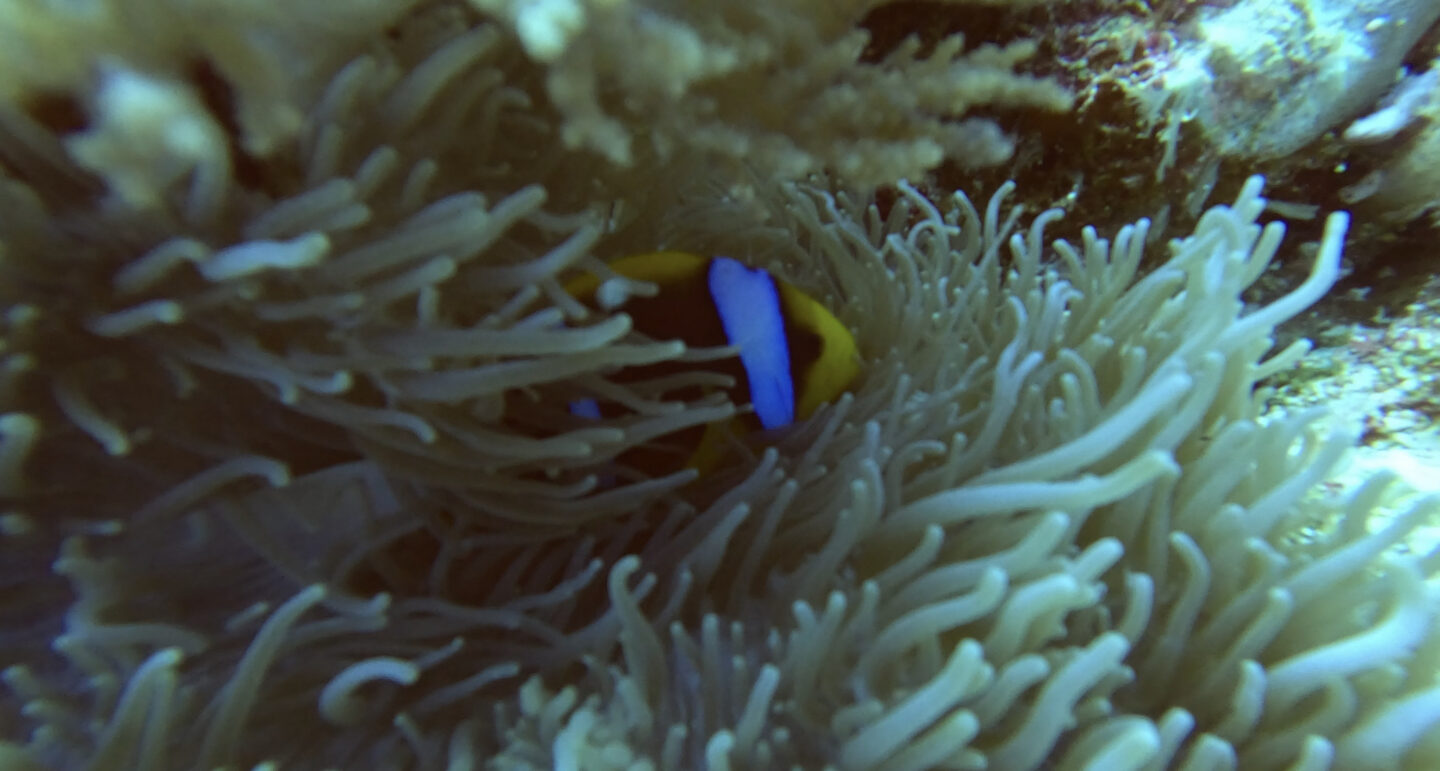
652	385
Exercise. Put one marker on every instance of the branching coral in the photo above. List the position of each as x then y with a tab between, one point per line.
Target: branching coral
780	85
294	480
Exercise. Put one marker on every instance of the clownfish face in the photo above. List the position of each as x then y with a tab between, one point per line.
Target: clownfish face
794	355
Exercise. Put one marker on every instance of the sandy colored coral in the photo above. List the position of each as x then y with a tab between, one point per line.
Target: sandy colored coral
778	85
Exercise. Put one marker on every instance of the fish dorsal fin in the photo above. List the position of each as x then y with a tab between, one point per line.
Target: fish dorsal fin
749	308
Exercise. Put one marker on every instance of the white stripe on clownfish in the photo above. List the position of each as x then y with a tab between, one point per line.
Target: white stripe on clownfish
749	308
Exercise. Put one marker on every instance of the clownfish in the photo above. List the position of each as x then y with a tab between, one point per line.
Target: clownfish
793	354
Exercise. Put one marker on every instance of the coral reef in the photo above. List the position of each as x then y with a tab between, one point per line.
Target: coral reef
782	86
1403	185
290	477
1385	371
1266	78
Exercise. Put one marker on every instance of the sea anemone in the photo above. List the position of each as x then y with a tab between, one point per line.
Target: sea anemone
293	479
